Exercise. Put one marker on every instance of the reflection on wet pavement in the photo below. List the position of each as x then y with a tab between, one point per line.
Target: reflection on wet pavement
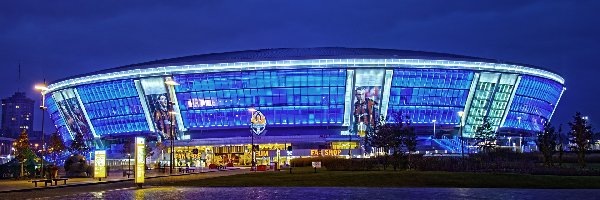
312	193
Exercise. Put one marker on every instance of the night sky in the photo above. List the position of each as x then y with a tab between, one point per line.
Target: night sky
56	39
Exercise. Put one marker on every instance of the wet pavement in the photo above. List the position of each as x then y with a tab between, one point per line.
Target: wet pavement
84	190
181	193
10	185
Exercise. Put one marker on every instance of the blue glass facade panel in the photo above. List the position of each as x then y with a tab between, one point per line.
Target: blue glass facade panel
59	122
299	97
429	94
113	107
533	103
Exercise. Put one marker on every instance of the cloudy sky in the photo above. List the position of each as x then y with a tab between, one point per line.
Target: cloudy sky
56	39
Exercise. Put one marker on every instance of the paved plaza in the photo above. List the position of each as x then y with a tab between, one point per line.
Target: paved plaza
152	177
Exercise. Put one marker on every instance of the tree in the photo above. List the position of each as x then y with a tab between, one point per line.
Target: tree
148	150
561	145
381	136
394	125
404	138
547	142
160	146
127	147
78	145
22	147
393	134
56	146
23	152
409	140
581	135
485	137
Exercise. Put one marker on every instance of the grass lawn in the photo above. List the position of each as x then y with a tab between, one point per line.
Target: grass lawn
304	177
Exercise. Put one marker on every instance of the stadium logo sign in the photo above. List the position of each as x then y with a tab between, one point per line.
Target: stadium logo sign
258	122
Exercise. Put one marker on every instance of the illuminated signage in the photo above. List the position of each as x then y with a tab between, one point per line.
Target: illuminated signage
258	122
140	159
314	152
100	164
325	152
332	152
187	154
316	164
262	153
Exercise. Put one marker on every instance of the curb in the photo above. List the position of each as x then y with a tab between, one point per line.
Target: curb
102	182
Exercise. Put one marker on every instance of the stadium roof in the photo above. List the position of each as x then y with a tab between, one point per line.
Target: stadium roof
296	54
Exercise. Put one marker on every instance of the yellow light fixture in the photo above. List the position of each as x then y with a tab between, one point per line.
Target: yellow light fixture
41	87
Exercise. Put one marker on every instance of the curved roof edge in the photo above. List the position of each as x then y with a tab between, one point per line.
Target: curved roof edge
295	54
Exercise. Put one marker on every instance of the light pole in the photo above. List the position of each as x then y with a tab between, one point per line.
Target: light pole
350	143
172	137
462	143
252	110
171	83
43	88
520	135
128	163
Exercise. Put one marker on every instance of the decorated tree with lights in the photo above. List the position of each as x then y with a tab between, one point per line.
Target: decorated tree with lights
486	137
23	153
56	146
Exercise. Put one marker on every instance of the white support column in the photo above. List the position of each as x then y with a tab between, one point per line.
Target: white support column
57	96
140	91
87	118
470	98
387	86
348	97
556	104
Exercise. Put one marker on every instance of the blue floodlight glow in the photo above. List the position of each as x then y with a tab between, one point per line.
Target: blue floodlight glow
305	92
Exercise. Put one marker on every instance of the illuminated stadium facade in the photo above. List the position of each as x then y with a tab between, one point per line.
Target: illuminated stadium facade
312	98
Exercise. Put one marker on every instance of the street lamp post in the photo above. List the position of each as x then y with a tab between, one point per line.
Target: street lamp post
172	136
520	135
253	168
462	143
43	88
171	83
350	144
252	152
128	163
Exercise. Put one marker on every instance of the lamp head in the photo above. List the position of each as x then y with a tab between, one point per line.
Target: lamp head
41	87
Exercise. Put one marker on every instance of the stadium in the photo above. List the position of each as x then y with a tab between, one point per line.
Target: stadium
300	102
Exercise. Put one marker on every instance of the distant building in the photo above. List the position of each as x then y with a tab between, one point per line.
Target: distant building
5	146
17	114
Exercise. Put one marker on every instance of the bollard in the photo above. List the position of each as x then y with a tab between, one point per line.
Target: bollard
290	169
